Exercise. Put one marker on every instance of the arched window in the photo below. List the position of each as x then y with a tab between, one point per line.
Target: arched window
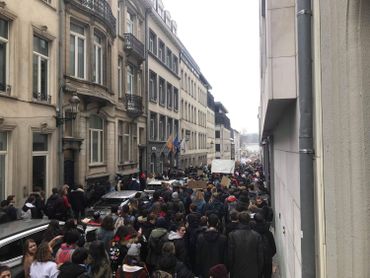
96	139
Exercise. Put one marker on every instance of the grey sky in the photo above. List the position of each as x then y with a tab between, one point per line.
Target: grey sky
223	38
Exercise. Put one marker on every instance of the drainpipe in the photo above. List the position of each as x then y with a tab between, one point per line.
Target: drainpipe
306	152
61	84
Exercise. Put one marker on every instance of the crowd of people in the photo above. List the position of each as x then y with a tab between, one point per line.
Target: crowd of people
221	230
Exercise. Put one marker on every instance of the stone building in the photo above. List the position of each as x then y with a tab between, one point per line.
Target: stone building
222	132
29	39
193	112
211	154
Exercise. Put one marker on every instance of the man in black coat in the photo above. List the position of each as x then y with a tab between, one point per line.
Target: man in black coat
211	247
245	250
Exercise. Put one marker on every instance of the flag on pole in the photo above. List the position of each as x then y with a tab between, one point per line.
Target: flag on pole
176	145
169	144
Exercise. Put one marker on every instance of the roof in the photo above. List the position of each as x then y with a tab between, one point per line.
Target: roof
120	194
15	227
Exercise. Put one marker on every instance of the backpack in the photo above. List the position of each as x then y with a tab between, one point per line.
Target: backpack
156	243
53	206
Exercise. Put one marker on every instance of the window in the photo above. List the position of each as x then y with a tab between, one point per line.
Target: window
153	126
96	138
218	147
153	86
175	99
40	68
127	140
130	23
4	35
119	28
152	163
161	53
169	95
120	77
217	134
169	58
39	161
77	51
130	80
175	64
152	42
98	60
162	130
162	96
3	159
176	128
169	127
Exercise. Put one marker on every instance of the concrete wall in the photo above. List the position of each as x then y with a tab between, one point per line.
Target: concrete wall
345	65
287	194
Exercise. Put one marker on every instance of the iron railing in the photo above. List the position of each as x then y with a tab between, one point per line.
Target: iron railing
100	9
134	105
37	96
134	46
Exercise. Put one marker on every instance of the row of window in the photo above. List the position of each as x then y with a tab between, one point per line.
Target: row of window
189	113
162	127
158	48
190	86
195	140
164	91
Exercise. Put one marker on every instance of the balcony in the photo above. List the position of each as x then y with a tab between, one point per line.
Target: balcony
134	47
99	9
134	105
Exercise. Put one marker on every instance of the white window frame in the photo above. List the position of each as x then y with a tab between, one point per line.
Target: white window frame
98	59
130	22
6	42
41	57
119	27
120	77
45	154
76	37
100	144
4	153
130	80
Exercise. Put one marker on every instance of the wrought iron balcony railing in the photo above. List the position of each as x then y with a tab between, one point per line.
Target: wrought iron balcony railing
134	105
41	97
133	46
100	9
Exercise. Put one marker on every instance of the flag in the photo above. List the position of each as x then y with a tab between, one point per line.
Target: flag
169	143
176	144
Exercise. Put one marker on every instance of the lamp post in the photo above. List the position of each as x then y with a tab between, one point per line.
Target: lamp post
74	102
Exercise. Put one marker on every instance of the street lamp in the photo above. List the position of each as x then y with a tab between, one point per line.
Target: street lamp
74	102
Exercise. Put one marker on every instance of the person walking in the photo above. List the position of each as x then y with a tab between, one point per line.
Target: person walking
245	250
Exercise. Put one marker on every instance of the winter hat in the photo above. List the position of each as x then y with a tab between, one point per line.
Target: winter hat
133	249
175	195
231	198
218	271
161	223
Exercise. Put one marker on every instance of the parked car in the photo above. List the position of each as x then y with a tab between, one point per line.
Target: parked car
115	198
13	236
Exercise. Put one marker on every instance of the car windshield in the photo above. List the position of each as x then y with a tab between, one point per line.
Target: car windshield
107	202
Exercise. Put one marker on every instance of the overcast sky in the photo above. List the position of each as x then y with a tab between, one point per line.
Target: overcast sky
223	38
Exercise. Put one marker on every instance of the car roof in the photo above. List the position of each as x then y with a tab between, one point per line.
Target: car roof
159	182
14	227
125	194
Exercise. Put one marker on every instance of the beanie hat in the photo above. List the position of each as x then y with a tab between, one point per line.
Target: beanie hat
133	249
175	195
231	198
218	271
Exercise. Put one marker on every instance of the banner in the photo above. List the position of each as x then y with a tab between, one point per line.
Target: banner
224	166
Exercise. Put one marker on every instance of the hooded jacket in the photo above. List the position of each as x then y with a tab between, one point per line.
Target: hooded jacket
156	240
180	246
211	249
71	270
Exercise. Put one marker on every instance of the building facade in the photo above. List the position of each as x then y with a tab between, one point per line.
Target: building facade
236	143
28	96
222	132
314	123
211	154
164	89
193	113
